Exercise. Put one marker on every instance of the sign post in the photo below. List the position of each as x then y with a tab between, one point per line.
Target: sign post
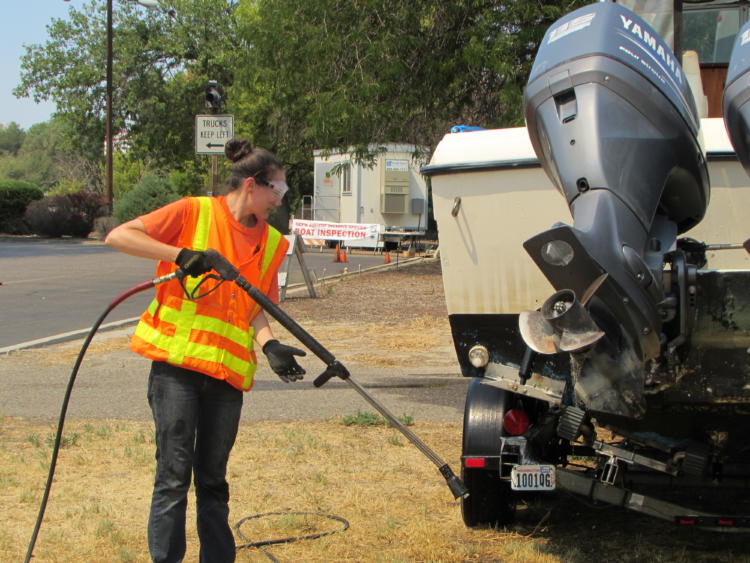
211	135
295	249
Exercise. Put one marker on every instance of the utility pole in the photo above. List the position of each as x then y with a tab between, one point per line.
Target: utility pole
108	135
108	144
108	126
214	174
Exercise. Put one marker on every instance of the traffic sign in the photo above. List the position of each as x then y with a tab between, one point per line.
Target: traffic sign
212	132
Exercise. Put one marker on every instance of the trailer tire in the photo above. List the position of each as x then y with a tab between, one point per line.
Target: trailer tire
491	501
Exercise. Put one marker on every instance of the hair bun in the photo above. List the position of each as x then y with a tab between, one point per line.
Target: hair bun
237	149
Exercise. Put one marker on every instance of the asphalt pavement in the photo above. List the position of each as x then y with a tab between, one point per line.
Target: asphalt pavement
51	287
112	384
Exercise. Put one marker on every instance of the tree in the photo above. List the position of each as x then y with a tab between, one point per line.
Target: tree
11	138
161	65
336	74
330	74
34	160
48	159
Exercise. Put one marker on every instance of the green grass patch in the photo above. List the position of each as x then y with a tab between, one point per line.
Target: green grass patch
361	418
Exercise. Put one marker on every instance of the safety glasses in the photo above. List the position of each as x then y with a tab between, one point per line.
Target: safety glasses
279	188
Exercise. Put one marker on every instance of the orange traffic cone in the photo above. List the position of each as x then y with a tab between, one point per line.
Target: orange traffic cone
387	258
343	255
337	254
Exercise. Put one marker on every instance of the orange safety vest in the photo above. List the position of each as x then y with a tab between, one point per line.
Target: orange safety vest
211	335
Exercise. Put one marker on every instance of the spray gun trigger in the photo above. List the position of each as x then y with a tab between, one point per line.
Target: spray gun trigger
335	369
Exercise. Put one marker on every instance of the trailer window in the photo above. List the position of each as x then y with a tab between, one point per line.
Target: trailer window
346	180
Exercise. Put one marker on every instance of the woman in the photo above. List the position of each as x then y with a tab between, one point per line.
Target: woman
200	341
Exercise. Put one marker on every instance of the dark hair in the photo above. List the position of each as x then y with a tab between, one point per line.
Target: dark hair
249	162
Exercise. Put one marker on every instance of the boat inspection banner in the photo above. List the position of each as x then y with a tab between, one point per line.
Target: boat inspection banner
351	234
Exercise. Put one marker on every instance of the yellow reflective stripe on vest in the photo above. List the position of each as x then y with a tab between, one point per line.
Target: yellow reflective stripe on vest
273	239
200	237
179	345
203	225
182	330
198	351
152	307
272	243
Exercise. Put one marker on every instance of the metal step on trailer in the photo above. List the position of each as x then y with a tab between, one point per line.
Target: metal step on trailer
592	488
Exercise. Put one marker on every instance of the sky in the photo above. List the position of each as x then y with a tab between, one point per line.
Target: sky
24	22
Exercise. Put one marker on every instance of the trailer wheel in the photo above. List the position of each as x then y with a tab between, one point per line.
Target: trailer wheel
491	501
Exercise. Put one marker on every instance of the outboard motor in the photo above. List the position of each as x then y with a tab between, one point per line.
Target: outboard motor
613	122
737	97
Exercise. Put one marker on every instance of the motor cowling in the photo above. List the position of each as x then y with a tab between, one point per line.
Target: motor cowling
613	122
737	97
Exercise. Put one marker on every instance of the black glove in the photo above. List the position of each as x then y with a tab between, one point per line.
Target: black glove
282	362
193	262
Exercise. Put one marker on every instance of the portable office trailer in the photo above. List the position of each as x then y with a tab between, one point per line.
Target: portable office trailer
391	192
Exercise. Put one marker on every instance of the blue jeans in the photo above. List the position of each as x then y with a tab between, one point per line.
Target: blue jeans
196	418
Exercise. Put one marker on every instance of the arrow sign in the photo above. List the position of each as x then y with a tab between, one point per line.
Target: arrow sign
212	133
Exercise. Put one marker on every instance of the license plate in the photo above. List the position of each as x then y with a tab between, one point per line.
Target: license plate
532	478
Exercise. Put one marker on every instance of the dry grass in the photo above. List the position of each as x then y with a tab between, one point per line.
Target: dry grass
422	341
395	500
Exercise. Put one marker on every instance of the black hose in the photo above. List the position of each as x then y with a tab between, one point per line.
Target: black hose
228	272
61	423
64	409
261	544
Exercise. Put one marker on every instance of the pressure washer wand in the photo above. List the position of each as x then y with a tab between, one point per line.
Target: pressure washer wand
455	484
334	368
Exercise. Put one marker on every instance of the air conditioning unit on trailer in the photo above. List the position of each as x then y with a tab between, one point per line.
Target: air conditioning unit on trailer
394	203
395	186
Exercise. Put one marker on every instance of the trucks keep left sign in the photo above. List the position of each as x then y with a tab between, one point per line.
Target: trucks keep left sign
212	133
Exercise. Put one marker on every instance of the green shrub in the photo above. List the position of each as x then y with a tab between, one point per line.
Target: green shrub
68	214
85	208
150	193
15	196
126	173
49	217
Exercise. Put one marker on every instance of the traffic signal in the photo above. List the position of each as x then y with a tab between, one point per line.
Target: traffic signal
214	97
